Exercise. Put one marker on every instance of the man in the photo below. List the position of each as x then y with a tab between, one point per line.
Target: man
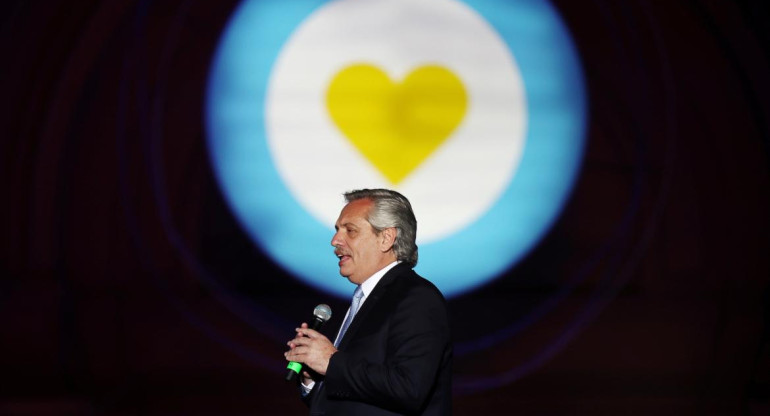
394	357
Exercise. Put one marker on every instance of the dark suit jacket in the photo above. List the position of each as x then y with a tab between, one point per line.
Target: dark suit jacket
395	357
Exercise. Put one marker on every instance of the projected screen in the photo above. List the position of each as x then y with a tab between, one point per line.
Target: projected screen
474	110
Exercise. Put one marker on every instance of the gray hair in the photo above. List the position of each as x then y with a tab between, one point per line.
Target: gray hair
391	210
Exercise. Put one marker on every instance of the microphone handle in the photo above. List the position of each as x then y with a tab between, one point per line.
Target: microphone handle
294	367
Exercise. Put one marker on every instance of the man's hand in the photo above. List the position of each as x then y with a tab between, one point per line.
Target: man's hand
311	348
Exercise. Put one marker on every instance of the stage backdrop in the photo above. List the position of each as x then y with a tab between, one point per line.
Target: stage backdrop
591	182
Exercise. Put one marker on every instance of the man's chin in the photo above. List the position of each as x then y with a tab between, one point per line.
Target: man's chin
347	276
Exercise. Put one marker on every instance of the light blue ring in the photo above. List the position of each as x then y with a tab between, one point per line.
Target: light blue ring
473	256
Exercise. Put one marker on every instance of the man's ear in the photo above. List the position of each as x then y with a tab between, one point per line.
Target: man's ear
387	238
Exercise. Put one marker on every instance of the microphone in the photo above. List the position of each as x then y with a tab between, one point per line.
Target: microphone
321	314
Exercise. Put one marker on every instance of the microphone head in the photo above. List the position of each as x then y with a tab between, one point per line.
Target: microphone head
322	312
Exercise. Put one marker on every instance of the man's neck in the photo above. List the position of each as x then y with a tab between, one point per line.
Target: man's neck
369	284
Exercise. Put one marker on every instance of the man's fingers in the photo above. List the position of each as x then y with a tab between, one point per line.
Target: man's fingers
301	341
310	333
294	354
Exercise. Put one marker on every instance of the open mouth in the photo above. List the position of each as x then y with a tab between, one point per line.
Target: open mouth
343	258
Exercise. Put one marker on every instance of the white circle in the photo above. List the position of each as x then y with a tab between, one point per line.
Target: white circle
462	179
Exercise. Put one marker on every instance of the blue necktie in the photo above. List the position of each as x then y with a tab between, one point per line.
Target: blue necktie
357	296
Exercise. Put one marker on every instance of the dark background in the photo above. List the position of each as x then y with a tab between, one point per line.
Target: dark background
128	287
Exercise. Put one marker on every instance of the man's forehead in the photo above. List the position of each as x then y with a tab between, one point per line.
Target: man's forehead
354	212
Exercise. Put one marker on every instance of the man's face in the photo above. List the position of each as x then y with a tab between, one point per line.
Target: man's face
361	252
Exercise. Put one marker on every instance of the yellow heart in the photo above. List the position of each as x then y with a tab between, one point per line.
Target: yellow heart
396	126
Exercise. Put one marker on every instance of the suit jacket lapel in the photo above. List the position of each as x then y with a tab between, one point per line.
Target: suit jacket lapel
371	302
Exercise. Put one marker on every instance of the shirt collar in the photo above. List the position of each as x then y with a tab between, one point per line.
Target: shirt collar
368	285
